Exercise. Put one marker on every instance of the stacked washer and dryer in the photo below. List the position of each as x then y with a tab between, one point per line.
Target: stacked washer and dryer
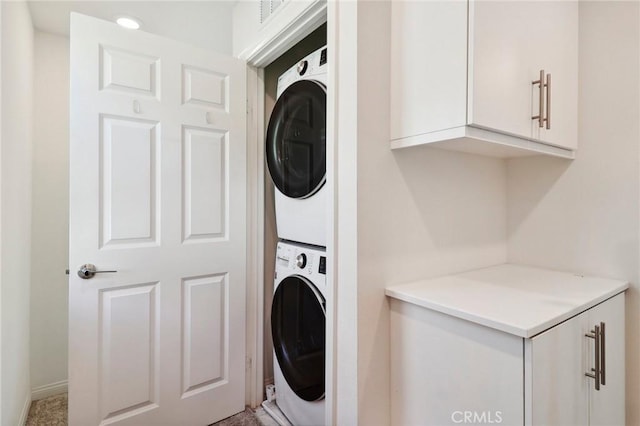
296	159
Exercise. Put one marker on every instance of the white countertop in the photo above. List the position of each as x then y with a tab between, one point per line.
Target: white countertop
516	299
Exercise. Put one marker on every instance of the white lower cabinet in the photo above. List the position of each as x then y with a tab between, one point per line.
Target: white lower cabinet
446	370
558	391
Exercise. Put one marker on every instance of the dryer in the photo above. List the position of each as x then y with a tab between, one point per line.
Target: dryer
298	327
296	151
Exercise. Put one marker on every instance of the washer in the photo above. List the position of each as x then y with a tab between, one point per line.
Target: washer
298	328
296	150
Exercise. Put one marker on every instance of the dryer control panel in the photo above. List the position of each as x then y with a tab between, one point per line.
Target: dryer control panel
311	67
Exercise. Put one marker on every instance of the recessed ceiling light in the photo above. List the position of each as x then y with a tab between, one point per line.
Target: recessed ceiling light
127	22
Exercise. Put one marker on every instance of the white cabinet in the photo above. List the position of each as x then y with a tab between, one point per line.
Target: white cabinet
508	345
561	394
462	76
443	368
510	43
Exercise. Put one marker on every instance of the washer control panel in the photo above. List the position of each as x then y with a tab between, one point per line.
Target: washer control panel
299	259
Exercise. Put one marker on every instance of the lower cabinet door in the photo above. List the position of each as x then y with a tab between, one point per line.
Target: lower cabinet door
448	371
607	405
559	390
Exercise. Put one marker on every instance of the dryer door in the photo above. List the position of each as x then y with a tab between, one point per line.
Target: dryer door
296	139
298	328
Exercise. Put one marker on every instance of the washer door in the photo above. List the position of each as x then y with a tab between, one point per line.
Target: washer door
296	139
298	328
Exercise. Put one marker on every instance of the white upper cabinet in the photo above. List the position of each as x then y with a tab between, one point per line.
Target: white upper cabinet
512	43
463	73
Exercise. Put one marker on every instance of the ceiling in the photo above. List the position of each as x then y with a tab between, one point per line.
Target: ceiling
204	24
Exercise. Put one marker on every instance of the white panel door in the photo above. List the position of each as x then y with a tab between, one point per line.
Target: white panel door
157	183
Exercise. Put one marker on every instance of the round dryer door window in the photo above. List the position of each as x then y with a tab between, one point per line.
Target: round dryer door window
298	323
296	139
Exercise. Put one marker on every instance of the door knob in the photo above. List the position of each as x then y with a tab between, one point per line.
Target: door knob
88	270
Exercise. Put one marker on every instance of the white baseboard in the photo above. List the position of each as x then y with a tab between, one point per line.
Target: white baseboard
276	414
49	390
25	411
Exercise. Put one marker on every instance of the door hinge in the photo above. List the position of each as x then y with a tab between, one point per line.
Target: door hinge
248	363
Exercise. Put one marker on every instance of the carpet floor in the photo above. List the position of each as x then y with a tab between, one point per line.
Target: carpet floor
246	418
52	411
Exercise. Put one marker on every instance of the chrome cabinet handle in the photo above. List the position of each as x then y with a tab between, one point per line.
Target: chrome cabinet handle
603	365
88	271
596	372
545	88
548	116
540	116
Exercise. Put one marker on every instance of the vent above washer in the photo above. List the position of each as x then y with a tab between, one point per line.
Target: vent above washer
267	7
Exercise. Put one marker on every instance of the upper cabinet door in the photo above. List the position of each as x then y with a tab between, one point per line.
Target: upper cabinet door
428	67
510	44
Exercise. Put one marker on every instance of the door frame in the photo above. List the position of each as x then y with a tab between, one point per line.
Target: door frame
302	19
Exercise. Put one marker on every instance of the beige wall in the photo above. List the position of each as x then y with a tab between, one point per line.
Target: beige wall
15	248
50	227
245	23
584	215
421	212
